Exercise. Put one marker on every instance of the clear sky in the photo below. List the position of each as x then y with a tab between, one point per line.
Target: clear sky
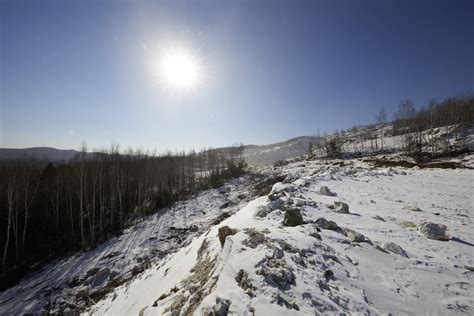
269	70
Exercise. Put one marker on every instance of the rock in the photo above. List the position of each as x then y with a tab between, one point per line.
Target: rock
136	270
284	300
325	191
379	218
286	246
223	232
353	235
433	231
277	205
329	274
293	217
193	228
325	224
393	247
415	209
255	238
341	207
221	308
220	218
315	235
276	272
244	282
226	205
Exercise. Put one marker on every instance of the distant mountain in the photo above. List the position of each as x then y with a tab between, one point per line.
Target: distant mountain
256	155
37	153
268	154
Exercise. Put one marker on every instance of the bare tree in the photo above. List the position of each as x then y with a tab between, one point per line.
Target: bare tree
381	119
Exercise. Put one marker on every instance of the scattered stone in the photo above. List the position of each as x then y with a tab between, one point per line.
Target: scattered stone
315	235
330	206
223	232
276	272
341	207
284	300
325	191
329	274
353	235
415	209
273	197
393	247
372	201
136	270
244	282
226	205
193	228
293	217
379	218
254	239
220	218
325	224
277	205
433	231
286	246
222	306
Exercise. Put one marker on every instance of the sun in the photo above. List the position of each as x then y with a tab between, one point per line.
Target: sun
179	70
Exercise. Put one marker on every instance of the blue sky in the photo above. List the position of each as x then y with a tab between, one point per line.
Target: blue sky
272	70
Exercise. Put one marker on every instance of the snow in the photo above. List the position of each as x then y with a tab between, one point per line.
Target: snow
289	270
137	248
434	279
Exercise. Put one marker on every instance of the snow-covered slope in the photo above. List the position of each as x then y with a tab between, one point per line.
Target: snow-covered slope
78	281
268	154
374	259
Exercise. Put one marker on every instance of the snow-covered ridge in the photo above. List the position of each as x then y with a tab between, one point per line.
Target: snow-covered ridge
332	239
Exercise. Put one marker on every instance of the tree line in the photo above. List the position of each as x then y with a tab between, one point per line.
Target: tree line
414	128
51	208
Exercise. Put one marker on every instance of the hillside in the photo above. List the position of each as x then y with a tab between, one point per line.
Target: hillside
372	255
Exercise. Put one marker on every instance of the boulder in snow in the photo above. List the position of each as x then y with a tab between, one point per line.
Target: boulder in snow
223	232
221	308
433	231
353	235
276	272
293	217
393	247
341	207
325	191
325	224
254	239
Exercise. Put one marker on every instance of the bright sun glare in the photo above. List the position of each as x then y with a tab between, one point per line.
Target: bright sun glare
179	70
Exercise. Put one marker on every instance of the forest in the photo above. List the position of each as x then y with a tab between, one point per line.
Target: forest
50	209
